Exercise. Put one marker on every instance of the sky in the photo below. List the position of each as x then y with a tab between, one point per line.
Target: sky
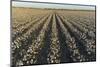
51	5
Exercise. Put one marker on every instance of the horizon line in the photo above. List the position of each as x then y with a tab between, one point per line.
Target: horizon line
35	4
